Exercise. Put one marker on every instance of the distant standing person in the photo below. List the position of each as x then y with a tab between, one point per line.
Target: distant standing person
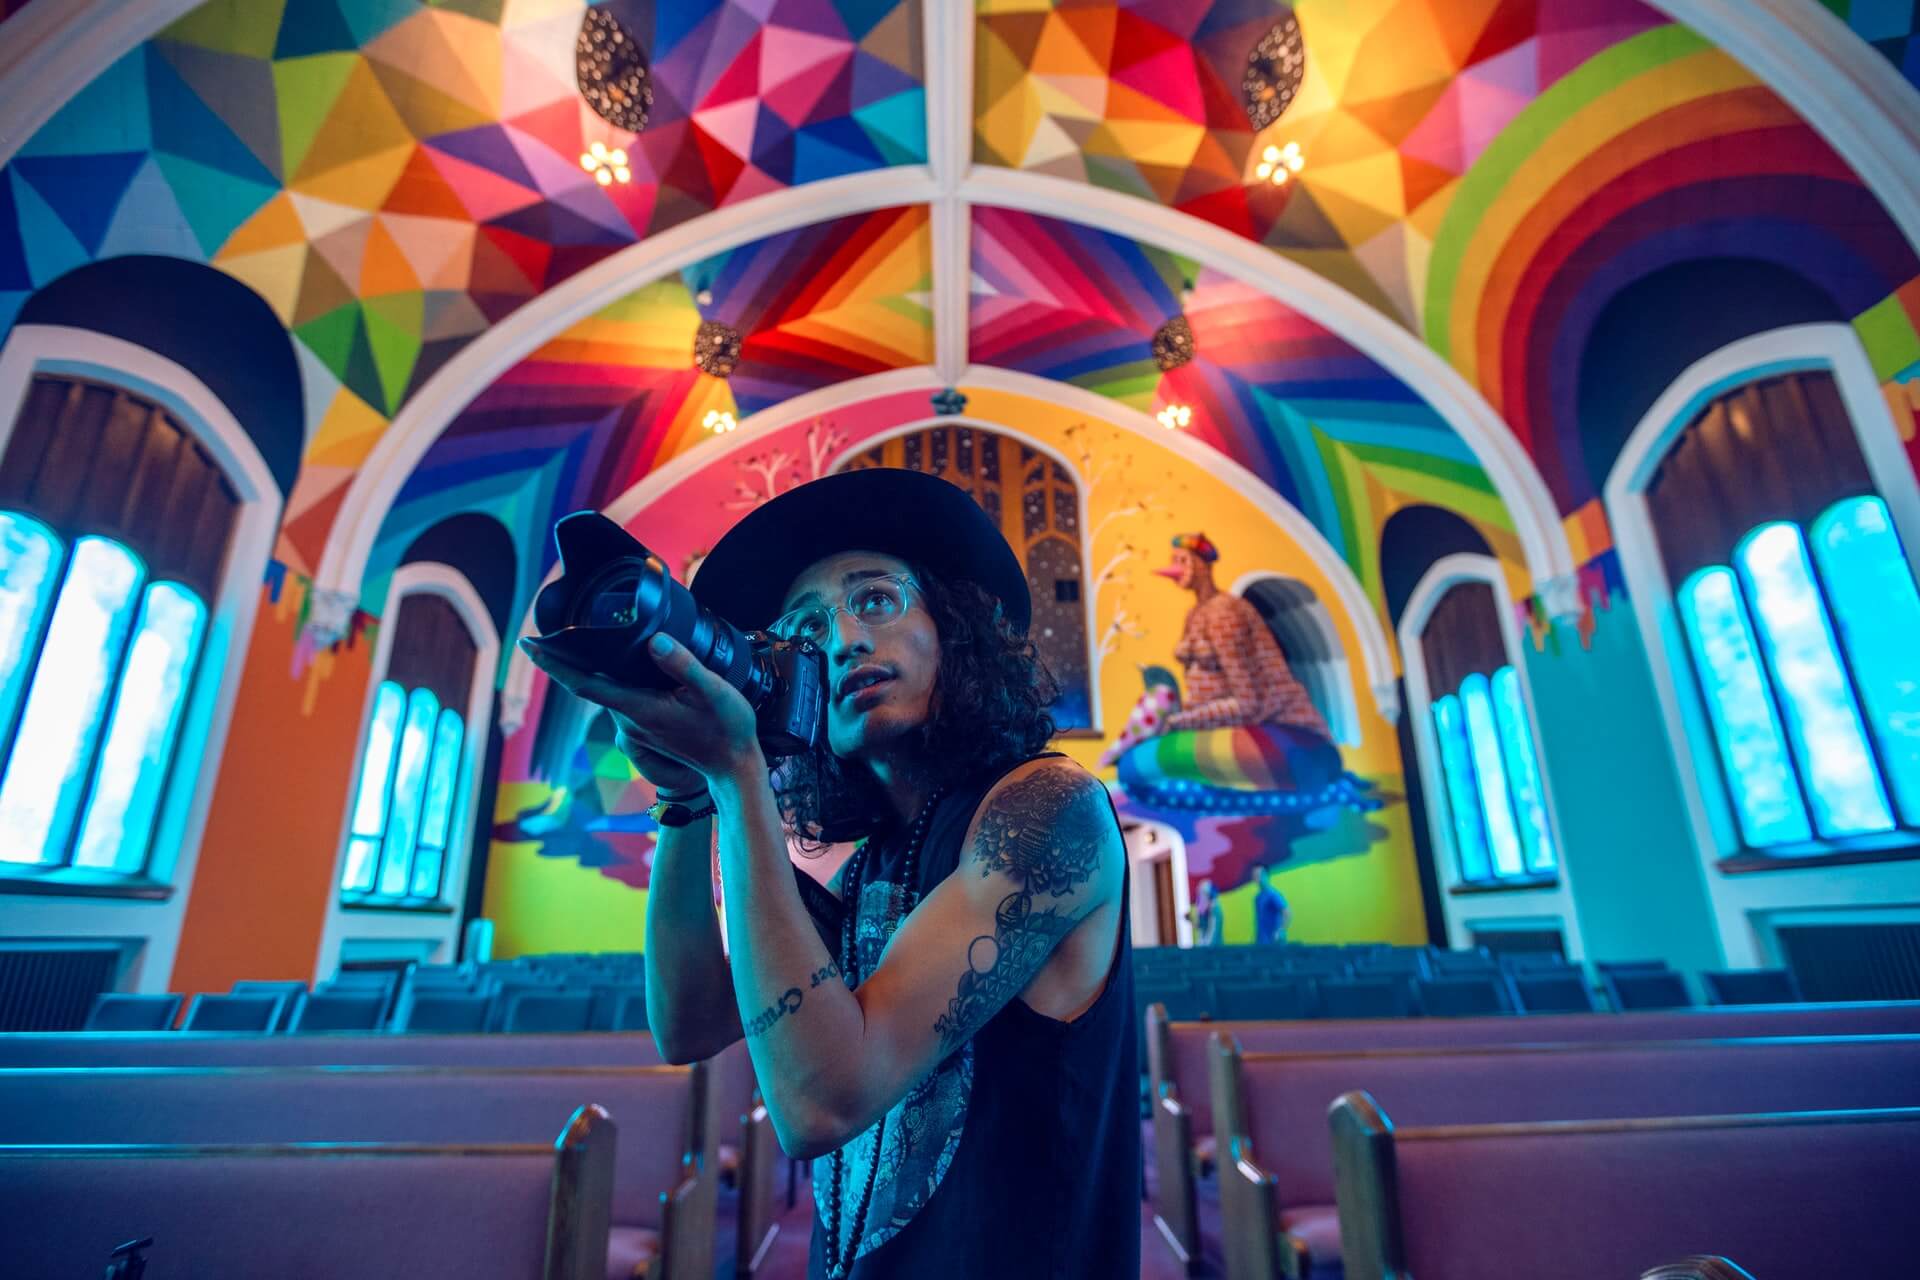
1206	915
1271	914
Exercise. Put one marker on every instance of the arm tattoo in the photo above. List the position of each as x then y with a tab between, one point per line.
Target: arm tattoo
764	1020
1046	835
790	1000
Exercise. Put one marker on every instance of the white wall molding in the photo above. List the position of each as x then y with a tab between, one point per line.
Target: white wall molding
347	925
1838	83
1742	903
1536	519
1463	911
52	349
53	49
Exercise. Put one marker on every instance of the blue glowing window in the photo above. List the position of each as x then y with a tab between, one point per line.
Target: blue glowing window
1462	790
1496	802
1823	721
96	665
1523	774
406	798
1753	749
1877	607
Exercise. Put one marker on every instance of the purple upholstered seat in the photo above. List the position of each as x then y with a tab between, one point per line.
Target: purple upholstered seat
1815	1193
479	1212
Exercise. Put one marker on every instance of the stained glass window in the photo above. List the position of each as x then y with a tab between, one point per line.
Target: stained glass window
1877	607
1494	794
1806	660
96	666
407	796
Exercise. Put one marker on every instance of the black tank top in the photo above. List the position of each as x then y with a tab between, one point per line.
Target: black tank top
1018	1158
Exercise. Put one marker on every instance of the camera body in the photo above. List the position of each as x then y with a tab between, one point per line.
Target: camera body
613	595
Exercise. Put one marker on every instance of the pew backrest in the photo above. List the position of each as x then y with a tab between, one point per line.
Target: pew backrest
1809	1193
1281	1100
478	1211
660	1111
1177	1051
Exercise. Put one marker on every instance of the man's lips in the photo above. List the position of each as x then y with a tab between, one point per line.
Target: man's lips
857	682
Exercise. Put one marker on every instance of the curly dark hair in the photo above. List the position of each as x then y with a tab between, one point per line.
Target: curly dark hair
990	704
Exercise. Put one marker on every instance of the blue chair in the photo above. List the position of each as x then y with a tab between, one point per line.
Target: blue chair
1465	996
1551	991
1267	1000
292	991
1409	962
1751	986
210	1012
118	1011
620	1006
445	1012
1446	964
1531	961
527	1011
1647	989
1367	997
322	1011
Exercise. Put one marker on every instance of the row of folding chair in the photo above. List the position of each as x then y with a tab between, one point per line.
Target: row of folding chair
364	1009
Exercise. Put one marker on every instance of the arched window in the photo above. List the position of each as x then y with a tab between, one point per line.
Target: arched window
115	528
1799	612
1036	502
1305	631
1492	794
408	816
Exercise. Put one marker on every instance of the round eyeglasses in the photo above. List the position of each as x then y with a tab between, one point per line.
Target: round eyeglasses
872	602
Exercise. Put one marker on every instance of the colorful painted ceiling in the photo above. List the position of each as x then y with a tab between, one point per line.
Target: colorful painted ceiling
587	415
398	177
394	176
1330	430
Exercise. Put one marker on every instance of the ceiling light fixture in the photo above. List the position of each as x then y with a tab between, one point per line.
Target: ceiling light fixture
1277	164
719	421
611	70
1173	344
1275	68
1175	417
608	165
716	348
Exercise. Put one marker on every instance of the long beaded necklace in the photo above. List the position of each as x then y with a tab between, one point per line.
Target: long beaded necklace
840	1257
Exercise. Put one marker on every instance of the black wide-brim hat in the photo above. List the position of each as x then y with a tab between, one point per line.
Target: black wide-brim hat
919	518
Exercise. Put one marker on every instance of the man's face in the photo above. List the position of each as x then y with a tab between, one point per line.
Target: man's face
880	678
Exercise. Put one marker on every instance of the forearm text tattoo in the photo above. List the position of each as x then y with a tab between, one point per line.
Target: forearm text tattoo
1046	833
790	1000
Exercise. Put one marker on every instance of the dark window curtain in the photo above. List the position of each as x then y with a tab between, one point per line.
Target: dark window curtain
1777	449
93	459
432	649
1462	637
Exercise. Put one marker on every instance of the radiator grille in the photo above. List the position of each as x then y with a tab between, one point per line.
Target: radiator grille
1531	940
45	988
1854	961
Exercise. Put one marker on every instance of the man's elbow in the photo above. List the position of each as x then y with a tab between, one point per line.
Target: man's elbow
809	1132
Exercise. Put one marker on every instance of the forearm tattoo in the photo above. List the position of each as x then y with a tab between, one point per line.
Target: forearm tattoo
1046	833
789	1001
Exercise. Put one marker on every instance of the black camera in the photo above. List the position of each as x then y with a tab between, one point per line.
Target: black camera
613	595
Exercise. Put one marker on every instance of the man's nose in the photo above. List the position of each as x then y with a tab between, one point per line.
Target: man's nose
849	637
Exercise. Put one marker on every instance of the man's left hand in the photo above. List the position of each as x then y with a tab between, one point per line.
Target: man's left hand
704	722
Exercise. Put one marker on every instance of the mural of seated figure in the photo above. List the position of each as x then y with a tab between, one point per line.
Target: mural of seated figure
1245	741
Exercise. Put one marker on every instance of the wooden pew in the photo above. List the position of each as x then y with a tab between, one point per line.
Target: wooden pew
1699	1267
1816	1193
740	1128
1183	1137
663	1181
1277	1187
478	1211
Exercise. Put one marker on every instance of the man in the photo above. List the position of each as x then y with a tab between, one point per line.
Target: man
947	1029
1271	914
1236	674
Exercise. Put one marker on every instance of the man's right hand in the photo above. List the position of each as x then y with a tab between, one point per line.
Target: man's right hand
664	772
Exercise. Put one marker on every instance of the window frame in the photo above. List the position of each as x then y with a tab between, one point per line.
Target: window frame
449	584
1833	349
1482	903
180	820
